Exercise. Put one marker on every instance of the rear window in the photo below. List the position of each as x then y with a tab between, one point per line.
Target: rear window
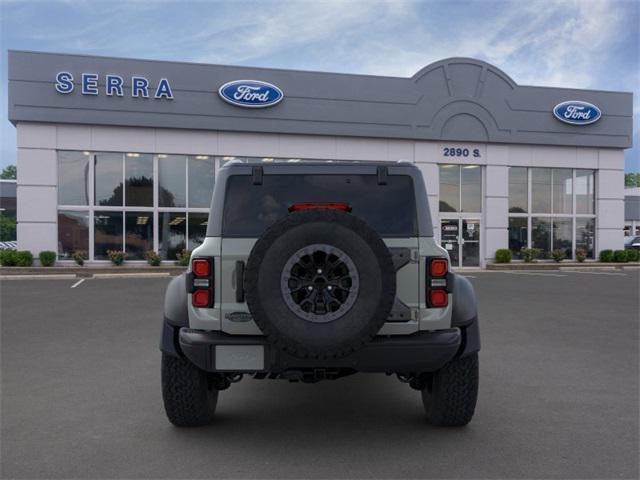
389	209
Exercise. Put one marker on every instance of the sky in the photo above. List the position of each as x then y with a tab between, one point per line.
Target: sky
562	43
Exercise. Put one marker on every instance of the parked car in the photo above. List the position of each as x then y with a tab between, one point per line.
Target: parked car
632	242
315	271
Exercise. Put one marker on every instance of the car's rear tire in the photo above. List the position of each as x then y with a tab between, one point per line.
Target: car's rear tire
450	394
189	395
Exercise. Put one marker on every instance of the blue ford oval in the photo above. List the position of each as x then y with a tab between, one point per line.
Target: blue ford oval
576	112
250	93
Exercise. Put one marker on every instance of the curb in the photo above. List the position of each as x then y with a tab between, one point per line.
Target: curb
561	266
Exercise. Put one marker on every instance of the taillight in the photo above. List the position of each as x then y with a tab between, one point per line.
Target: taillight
200	282
437	282
345	207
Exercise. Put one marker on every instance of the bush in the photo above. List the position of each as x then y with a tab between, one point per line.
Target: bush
80	256
633	255
620	256
152	258
581	254
503	255
47	258
8	258
529	254
606	256
117	257
558	255
183	257
24	258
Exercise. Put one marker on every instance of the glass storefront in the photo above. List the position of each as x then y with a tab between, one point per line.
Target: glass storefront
551	209
133	202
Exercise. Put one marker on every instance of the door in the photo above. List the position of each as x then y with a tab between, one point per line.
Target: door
461	238
449	239
470	243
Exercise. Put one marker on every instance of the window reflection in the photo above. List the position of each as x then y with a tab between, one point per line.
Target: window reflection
562	190
172	234
518	190
107	232
108	179
471	188
449	188
139	180
139	234
585	191
197	228
541	190
585	235
517	235
172	180
73	178
562	235
201	179
541	235
73	233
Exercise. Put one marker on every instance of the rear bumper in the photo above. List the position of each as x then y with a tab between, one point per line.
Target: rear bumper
420	352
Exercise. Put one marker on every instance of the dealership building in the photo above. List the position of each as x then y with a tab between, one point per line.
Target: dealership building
122	154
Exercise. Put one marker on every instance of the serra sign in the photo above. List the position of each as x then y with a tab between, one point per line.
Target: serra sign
113	85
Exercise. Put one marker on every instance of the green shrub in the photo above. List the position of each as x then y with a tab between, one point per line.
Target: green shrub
117	257
503	255
558	255
183	257
633	255
8	258
24	258
152	258
529	254
620	256
47	258
80	256
581	254
606	256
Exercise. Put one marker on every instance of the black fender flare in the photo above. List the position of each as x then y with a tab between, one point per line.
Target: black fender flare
464	314
176	315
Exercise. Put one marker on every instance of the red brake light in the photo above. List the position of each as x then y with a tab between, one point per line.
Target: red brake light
201	267
439	267
345	207
200	298
438	298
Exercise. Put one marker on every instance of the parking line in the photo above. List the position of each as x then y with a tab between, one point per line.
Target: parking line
78	283
537	274
597	273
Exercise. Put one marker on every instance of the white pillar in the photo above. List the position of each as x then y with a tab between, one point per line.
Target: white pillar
37	188
610	200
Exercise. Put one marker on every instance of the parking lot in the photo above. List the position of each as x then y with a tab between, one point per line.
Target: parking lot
558	393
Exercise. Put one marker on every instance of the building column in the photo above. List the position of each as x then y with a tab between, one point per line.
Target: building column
37	188
496	210
610	200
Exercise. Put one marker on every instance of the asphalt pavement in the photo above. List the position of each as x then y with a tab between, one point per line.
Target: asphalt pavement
559	383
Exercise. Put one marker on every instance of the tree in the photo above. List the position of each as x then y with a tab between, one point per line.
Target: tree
632	179
9	172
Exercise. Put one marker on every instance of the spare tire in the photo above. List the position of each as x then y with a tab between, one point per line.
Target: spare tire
320	283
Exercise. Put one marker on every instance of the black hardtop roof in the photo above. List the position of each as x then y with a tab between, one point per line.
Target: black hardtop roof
299	163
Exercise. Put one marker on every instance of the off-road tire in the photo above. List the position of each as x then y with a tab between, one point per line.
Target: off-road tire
450	395
188	393
353	329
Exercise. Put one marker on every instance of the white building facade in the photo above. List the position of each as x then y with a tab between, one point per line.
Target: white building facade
113	171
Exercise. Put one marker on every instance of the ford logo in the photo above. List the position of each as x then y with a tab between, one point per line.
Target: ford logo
250	93
576	112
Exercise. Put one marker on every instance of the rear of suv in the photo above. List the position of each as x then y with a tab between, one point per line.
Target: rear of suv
315	271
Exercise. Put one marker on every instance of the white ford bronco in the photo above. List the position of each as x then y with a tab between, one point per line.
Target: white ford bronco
315	271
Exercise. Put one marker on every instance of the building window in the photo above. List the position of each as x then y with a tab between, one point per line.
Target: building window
460	188
555	207
517	235
73	178
108	233
133	202
73	233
